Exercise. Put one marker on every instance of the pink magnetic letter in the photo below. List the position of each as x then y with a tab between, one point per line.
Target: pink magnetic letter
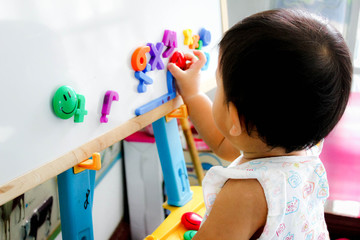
169	40
110	96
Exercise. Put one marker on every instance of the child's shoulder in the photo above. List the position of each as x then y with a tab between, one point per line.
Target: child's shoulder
240	209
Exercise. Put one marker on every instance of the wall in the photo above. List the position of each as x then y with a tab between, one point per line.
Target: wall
239	9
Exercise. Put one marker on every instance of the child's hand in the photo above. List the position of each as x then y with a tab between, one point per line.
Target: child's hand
188	81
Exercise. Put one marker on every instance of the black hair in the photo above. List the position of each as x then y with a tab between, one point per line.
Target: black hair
289	73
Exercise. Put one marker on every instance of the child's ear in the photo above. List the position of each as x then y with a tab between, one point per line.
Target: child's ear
235	129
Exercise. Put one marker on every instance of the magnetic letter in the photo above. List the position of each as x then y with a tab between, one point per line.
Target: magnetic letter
138	59
206	66
200	45
80	111
195	44
169	40
155	52
188	37
179	59
205	36
110	96
143	79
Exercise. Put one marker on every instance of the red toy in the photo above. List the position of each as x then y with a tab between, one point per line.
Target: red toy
179	59
191	220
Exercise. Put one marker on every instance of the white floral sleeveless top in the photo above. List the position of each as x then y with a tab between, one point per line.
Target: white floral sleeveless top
295	188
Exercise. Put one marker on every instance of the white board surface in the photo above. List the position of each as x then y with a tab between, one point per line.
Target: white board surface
87	45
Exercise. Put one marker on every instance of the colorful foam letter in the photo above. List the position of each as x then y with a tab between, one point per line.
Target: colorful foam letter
200	45
80	111
110	96
155	52
143	79
195	44
188	37
205	36
138	59
206	66
179	59
169	40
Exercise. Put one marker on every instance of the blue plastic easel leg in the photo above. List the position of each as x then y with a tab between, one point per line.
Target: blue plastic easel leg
172	162
76	194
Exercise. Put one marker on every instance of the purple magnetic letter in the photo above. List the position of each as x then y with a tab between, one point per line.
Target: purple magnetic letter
169	40
155	52
110	96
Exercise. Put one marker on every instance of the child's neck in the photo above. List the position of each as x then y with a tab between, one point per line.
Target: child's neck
277	152
253	148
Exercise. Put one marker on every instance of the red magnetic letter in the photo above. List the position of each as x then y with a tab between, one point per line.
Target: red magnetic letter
179	59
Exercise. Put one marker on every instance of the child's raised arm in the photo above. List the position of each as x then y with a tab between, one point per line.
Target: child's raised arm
200	106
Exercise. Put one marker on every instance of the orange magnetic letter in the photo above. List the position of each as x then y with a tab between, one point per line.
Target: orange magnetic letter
195	44
138	59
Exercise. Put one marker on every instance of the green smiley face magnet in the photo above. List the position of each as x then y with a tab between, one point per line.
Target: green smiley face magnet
65	102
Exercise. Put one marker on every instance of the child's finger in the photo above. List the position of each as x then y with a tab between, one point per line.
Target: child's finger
190	57
175	70
188	65
198	59
201	57
190	60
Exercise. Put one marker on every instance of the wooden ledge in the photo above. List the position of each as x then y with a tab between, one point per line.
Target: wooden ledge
33	178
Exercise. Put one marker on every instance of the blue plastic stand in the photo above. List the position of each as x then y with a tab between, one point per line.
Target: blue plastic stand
76	194
172	162
161	100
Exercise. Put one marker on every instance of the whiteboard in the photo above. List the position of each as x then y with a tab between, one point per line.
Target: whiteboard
86	44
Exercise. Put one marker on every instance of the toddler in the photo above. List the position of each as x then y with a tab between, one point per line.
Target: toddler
283	82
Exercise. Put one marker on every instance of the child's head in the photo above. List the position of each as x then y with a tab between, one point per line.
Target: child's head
289	75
